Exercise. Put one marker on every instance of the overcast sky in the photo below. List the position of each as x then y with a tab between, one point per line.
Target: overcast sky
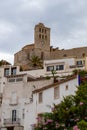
66	18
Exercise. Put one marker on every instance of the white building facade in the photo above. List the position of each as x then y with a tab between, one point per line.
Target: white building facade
17	93
62	67
44	98
25	94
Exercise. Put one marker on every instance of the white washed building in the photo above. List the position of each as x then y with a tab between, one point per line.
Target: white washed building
62	67
19	106
45	97
17	93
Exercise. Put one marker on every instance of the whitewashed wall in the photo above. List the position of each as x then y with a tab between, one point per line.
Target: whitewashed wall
23	91
32	110
67	70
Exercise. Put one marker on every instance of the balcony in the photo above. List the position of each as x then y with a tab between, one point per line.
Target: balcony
77	66
10	122
80	65
72	66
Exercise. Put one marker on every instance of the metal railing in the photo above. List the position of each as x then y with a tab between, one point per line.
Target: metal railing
10	121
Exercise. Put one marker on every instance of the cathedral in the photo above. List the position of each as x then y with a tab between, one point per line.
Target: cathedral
41	48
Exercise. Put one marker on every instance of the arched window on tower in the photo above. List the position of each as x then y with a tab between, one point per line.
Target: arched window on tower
45	31
39	29
83	54
45	37
40	36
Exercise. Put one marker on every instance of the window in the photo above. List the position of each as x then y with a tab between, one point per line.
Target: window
56	92
79	62
6	72
23	114
39	35
45	31
57	67
14	115
40	99
46	37
39	29
13	71
11	80
60	67
66	87
83	54
19	79
50	68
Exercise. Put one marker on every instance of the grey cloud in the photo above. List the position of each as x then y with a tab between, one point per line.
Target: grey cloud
66	18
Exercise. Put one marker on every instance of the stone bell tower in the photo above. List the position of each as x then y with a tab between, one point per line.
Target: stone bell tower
42	41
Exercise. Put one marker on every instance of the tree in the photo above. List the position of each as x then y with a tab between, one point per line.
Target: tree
81	101
53	74
70	113
36	62
4	62
82	125
65	111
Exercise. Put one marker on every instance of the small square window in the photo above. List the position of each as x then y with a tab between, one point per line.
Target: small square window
50	68
40	98
79	62
66	87
6	71
13	71
57	67
60	67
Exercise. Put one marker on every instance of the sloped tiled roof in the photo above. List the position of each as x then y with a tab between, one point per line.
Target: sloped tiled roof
54	84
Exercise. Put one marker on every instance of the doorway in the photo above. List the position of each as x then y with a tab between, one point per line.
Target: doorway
10	128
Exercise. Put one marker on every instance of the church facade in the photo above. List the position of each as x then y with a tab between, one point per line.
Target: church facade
41	48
